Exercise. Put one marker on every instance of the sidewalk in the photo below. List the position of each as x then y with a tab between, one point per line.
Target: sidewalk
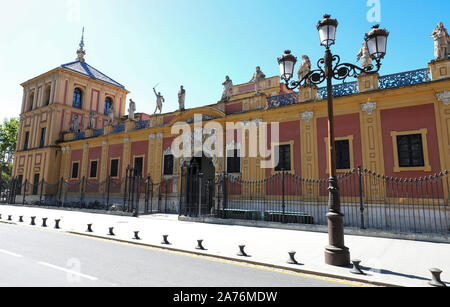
386	261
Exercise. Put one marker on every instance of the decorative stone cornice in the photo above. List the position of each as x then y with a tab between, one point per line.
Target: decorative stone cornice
444	97
307	116
369	107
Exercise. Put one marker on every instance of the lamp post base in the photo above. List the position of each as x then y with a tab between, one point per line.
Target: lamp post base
337	256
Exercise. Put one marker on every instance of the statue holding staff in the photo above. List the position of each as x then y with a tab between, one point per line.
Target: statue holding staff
159	101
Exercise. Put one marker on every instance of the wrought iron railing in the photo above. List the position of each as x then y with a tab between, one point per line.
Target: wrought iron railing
99	132
339	90
130	194
119	128
282	100
80	135
405	78
368	200
143	124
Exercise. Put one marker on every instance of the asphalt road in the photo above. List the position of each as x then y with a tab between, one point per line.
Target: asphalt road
32	257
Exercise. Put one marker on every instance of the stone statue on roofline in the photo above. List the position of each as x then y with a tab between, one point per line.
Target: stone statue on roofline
364	56
258	78
304	69
441	42
131	109
75	123
159	101
181	98
110	115
227	89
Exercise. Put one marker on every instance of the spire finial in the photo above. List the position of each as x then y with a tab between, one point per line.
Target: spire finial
80	52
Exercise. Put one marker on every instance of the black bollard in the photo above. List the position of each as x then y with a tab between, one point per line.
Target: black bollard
21	219
111	231
242	252
57	224
44	222
356	269
136	235
0	216
9	217
89	229
292	258
436	278
33	223
200	245
165	241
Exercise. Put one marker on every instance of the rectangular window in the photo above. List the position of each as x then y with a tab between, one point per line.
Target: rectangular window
168	165
93	169
410	150
75	166
138	166
114	169
19	185
42	141
284	157
342	154
27	137
234	162
36	184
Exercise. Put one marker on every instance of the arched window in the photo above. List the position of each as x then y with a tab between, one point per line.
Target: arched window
77	98
108	104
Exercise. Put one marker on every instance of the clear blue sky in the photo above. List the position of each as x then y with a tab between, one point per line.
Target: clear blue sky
140	43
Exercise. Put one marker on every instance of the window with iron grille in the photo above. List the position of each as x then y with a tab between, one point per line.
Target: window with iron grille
284	156
234	162
93	169
114	169
410	150
75	166
168	165
138	166
342	149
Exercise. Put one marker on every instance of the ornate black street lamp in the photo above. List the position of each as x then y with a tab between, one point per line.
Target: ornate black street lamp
329	67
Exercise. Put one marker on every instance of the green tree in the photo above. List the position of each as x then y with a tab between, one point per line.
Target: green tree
8	139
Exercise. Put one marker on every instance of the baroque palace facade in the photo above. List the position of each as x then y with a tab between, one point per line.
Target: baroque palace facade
397	125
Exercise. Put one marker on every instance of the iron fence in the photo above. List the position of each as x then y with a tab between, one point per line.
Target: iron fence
132	194
368	200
